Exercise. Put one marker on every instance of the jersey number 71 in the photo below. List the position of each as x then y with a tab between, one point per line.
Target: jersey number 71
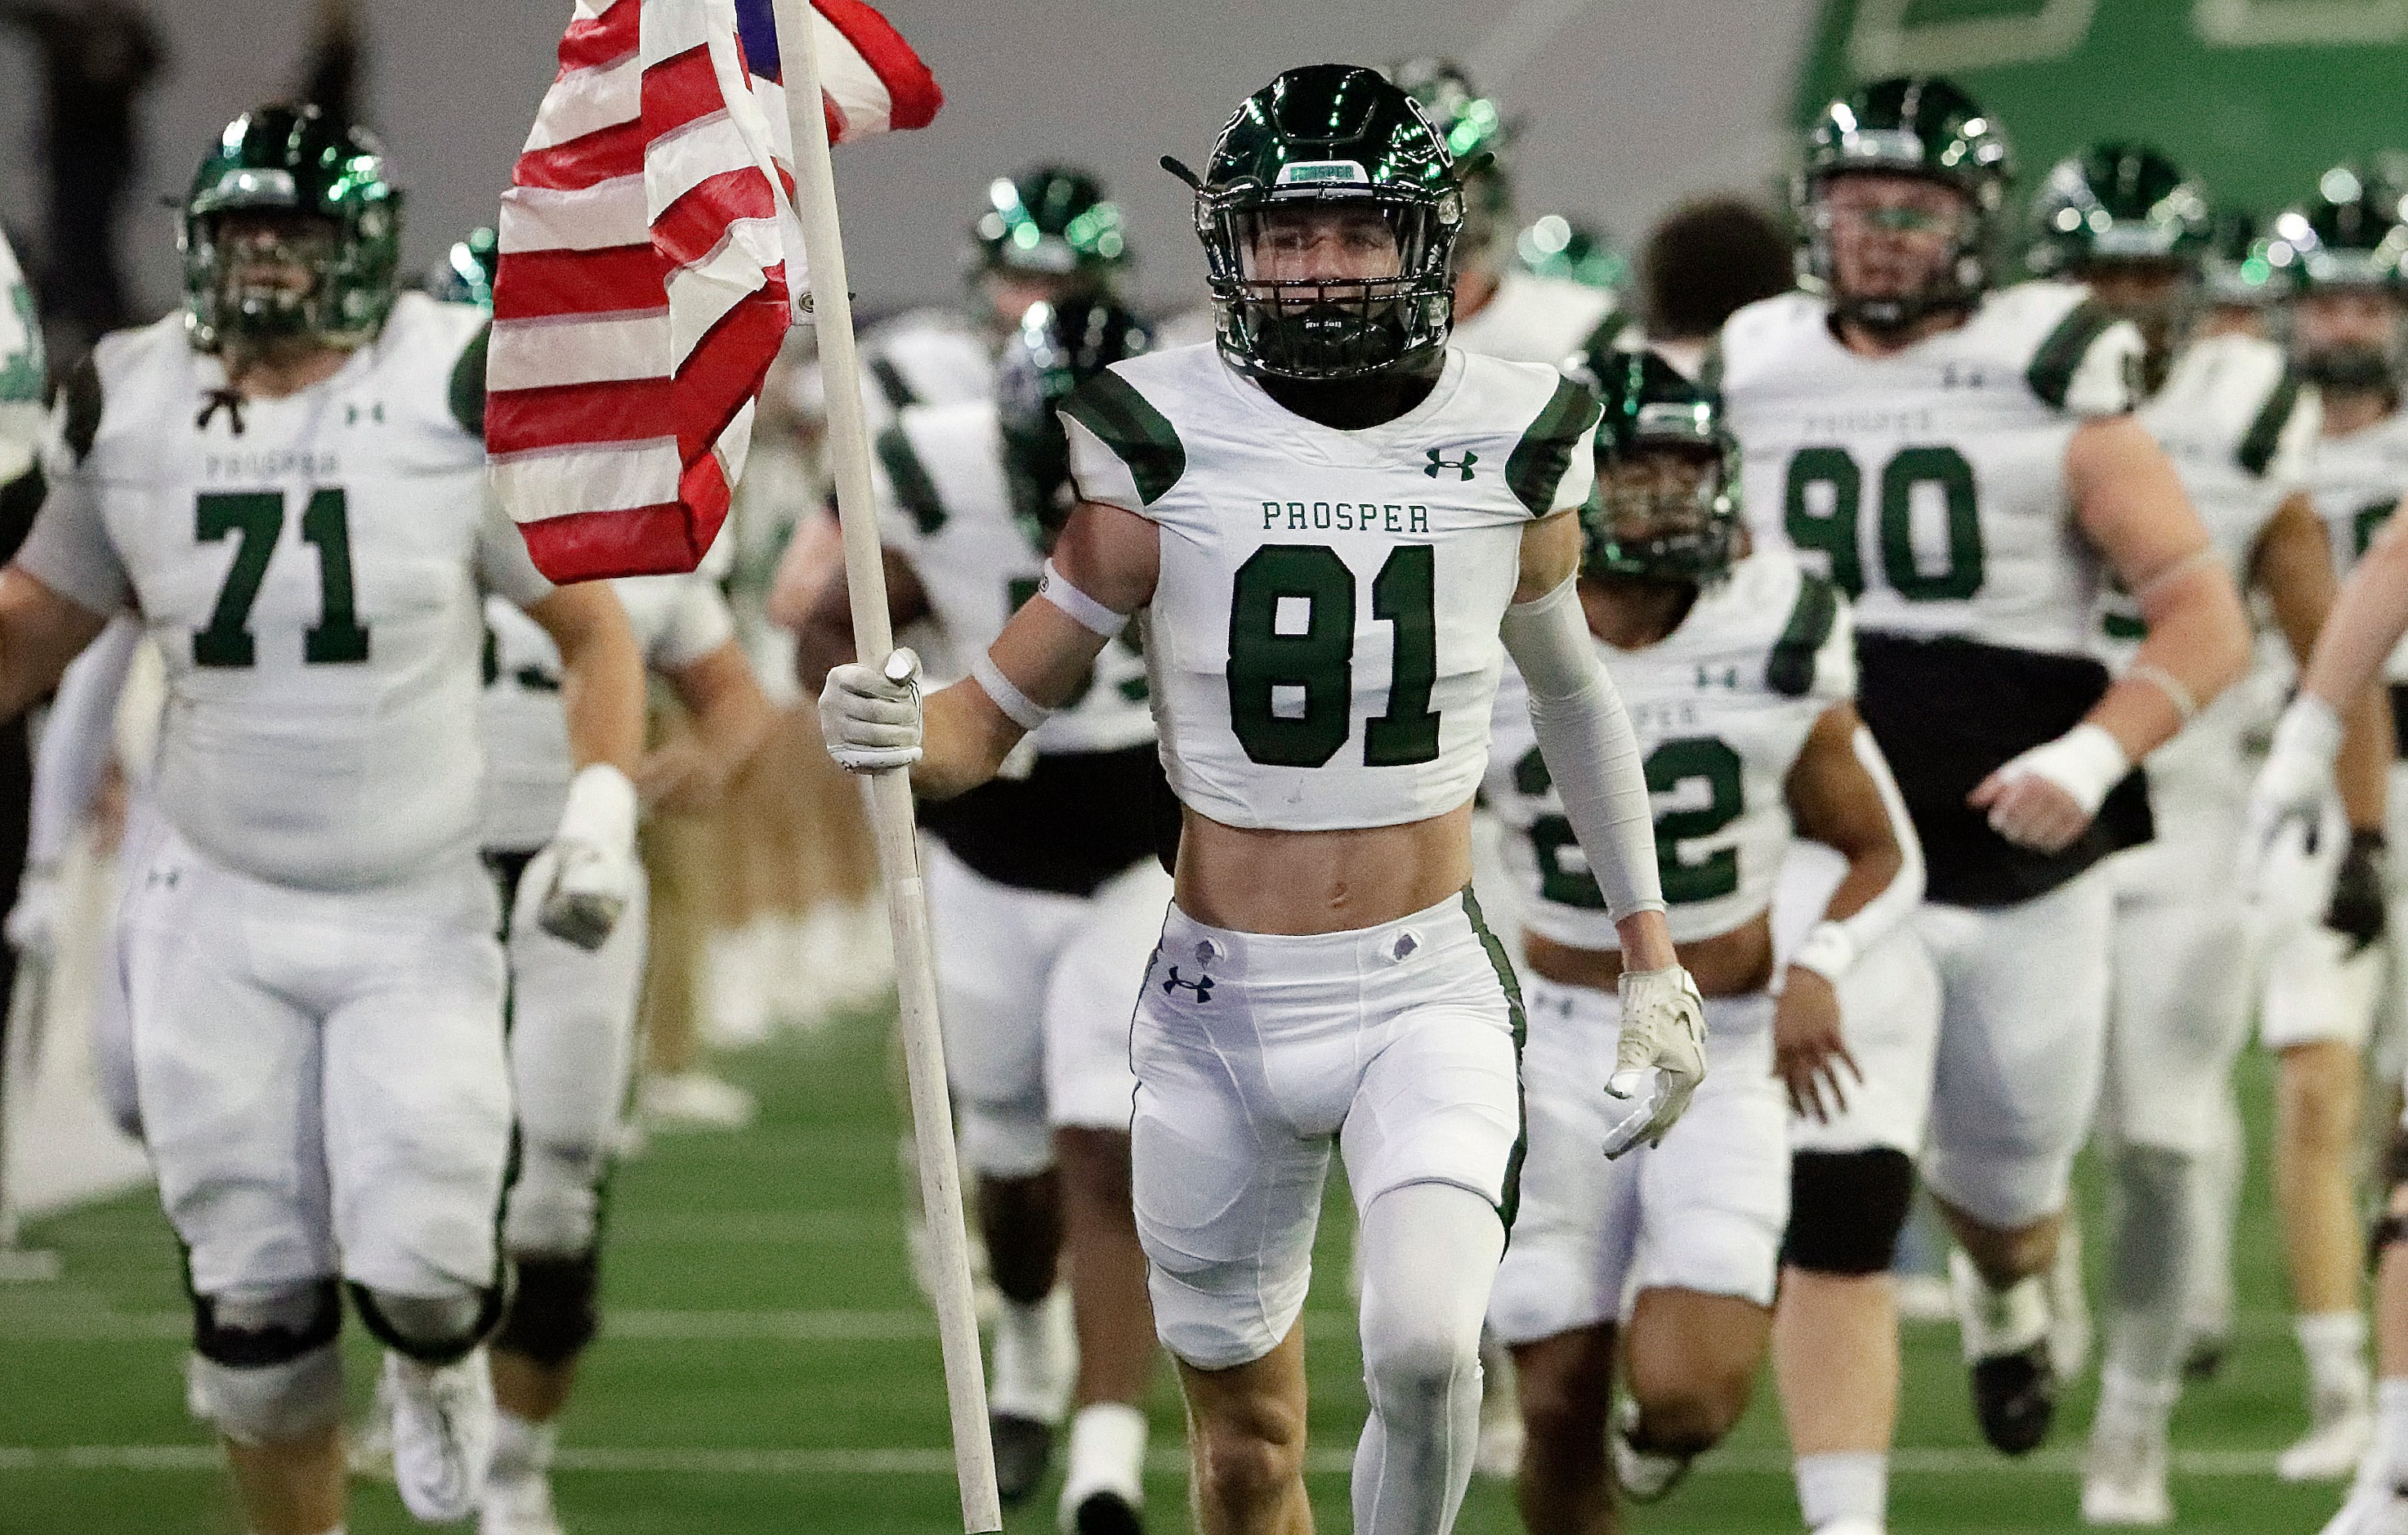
256	519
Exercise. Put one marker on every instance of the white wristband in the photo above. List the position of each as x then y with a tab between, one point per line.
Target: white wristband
1827	951
601	808
1084	611
1018	706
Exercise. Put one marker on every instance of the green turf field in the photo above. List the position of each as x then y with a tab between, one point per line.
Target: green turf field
768	1366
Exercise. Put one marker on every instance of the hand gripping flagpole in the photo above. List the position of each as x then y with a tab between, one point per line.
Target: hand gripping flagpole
889	794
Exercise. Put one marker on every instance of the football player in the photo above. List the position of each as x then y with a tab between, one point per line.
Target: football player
1738	673
1047	895
2344	254
1501	308
1964	464
2240	430
286	480
2292	793
1047	234
1333	518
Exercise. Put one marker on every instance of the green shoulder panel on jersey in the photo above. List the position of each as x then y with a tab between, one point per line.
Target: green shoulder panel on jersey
1538	462
2265	433
1125	421
1789	669
913	490
467	390
1606	331
891	382
2059	357
83	408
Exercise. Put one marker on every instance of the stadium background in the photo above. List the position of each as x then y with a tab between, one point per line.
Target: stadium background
768	1365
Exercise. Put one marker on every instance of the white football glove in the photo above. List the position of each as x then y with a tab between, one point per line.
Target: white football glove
588	871
2293	790
33	924
870	715
1661	1058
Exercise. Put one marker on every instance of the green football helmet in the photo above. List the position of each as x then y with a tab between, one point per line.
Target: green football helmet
285	158
2119	203
1337	138
1057	347
466	274
1476	134
1667	504
1920	125
1050	222
2352	234
1557	247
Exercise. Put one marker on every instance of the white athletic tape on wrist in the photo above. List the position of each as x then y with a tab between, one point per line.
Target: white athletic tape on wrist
1018	706
2310	727
1827	951
601	807
2086	762
1084	611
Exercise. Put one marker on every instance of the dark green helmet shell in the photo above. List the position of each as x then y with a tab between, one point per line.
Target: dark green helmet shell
296	157
1649	404
466	274
1057	347
1050	220
2119	202
1921	125
2352	234
1332	134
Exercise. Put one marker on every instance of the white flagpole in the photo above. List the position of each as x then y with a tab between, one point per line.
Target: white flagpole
889	795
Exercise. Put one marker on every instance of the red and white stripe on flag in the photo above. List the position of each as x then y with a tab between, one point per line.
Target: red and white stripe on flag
643	285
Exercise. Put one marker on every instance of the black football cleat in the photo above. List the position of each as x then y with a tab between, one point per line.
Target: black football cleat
1105	1513
1023	1446
2014	1397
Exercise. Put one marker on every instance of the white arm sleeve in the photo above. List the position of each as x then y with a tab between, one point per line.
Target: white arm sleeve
1585	735
77	739
1833	945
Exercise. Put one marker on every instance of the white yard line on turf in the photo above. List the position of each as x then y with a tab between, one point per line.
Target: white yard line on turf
1163	1460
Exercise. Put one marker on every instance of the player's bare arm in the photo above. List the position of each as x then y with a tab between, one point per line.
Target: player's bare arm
1841	794
40	632
731	716
2131	507
2293	567
602	674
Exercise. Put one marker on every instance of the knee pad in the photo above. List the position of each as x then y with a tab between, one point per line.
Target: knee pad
1846	1209
1007	1139
432	1330
553	1313
264	1366
554	1205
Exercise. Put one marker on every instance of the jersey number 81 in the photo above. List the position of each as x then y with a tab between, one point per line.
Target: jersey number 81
1292	684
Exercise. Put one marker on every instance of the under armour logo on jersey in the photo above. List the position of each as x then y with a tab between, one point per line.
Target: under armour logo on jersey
1202	985
351	413
1437	461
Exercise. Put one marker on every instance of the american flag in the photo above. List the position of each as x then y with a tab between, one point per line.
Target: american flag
648	252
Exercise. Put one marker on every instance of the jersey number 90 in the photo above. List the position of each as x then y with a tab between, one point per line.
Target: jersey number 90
1823	500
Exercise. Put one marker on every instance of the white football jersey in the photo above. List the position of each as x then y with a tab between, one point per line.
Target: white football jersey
312	570
920	357
1722	707
1929	486
1532	319
1323	642
24	383
678	621
2358	482
2241	432
947	510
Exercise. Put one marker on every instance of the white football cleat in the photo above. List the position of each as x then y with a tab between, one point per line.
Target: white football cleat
2123	1481
518	1505
1644	1477
443	1426
2330	1449
2375	1507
